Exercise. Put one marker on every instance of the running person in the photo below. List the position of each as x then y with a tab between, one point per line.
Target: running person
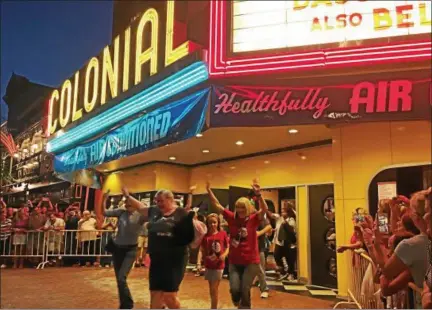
170	231
263	228
215	249
124	246
282	242
244	258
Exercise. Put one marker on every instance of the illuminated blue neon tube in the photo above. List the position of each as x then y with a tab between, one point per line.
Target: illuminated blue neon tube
171	86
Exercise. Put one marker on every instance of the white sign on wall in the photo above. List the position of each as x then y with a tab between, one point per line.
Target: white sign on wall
261	25
387	190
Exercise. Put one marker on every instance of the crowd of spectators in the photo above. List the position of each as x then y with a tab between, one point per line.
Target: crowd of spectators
398	242
26	229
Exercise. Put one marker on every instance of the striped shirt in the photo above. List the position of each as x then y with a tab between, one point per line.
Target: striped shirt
5	229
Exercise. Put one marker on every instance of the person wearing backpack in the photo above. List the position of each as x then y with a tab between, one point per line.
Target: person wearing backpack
290	243
285	242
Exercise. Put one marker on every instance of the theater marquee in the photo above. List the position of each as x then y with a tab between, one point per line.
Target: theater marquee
370	98
260	25
259	37
141	51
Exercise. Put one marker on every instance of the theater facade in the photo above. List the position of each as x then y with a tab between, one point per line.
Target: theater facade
328	103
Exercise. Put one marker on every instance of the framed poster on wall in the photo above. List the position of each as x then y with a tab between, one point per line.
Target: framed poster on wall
387	190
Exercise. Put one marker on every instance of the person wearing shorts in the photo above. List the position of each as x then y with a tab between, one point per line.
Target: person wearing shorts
170	231
215	248
54	235
19	238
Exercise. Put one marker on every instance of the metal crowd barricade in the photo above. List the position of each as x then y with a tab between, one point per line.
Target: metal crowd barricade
363	293
60	244
29	244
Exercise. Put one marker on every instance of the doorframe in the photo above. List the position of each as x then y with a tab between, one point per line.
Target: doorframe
296	186
406	165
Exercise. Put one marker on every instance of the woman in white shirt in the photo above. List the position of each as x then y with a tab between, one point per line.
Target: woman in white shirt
285	241
87	236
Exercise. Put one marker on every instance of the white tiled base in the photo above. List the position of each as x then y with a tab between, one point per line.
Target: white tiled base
322	293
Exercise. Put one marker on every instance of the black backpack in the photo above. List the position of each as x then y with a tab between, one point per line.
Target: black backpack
287	233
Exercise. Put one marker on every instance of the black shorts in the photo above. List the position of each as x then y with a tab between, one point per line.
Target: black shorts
5	247
166	272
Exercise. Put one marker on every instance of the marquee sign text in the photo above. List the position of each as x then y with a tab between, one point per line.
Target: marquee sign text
260	25
364	100
129	60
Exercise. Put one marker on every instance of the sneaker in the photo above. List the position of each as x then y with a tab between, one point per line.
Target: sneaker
264	294
197	274
3	266
107	266
283	277
291	278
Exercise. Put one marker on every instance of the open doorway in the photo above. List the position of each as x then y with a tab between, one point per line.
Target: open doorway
282	251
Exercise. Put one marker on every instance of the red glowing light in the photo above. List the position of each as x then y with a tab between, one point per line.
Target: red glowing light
220	65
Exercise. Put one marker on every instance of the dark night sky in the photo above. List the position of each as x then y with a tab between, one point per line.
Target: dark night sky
47	41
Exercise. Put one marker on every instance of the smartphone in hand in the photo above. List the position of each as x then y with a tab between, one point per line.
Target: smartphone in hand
383	223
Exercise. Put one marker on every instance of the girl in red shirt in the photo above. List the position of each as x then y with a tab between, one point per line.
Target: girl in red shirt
244	259
214	249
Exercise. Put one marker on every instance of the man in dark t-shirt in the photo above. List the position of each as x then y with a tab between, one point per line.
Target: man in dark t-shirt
168	255
160	232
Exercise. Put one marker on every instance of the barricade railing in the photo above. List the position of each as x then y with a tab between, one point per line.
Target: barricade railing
26	244
363	293
55	244
76	244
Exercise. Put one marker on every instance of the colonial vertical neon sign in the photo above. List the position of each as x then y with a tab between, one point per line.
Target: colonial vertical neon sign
108	75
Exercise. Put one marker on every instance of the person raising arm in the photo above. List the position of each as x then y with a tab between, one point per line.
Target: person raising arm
188	206
244	259
213	200
124	246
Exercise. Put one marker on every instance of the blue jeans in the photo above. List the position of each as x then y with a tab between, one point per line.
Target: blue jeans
241	279
262	273
105	260
123	260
